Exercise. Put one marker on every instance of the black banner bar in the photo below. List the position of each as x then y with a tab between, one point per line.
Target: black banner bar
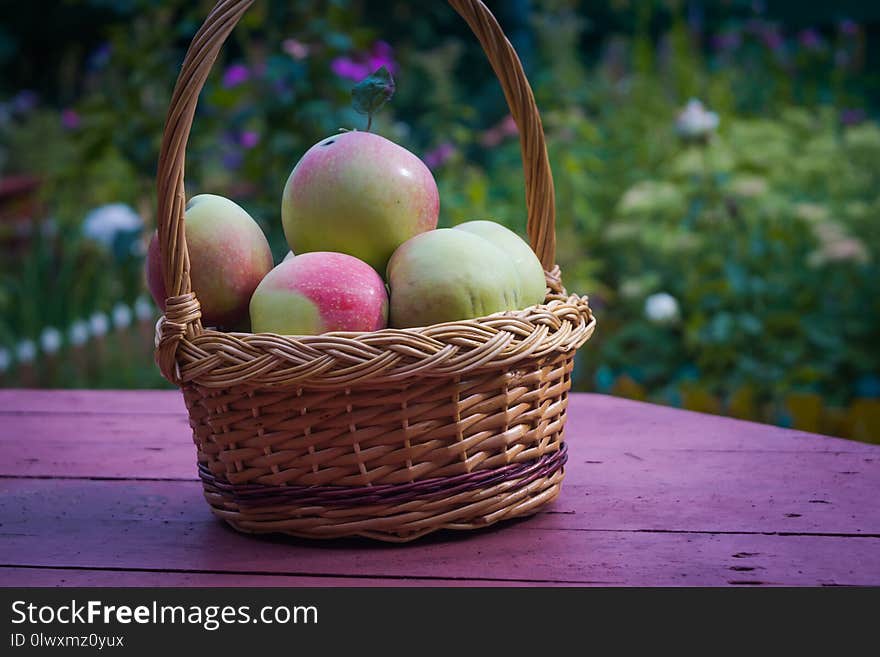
366	621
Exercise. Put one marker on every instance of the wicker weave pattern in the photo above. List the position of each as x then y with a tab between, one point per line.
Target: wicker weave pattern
396	523
381	435
217	360
482	399
256	497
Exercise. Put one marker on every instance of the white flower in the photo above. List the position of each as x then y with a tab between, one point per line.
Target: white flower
632	289
50	340
121	316
78	333
103	223
661	308
143	309
26	351
695	121
5	359
296	49
811	212
652	197
844	249
749	186
828	232
99	324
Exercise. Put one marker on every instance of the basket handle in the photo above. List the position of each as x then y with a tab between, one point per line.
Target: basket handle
182	311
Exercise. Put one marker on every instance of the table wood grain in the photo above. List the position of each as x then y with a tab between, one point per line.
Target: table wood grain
100	488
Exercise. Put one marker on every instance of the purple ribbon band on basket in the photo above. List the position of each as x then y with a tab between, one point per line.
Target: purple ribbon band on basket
261	495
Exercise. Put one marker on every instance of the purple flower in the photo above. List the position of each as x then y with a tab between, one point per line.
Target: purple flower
508	126
249	139
347	68
232	160
235	75
281	87
772	38
100	56
381	55
70	120
852	116
361	65
727	41
499	132
491	137
439	156
810	39
24	101
382	49
848	27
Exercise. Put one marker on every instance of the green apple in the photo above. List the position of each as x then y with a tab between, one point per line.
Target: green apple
532	285
228	255
360	194
446	275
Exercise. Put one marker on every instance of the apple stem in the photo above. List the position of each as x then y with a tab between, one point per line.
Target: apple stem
369	121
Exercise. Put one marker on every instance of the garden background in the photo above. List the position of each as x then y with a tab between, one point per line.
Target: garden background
716	169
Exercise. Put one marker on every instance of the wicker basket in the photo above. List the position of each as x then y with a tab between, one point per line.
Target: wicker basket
391	434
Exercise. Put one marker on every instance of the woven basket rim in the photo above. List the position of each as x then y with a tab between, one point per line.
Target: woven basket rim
216	359
427	330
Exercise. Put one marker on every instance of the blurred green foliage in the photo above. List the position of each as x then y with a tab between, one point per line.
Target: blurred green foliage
764	233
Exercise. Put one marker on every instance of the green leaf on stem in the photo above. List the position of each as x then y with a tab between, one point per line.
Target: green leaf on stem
371	93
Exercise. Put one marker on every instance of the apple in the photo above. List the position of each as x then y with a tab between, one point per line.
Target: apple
228	256
358	193
318	292
446	275
532	285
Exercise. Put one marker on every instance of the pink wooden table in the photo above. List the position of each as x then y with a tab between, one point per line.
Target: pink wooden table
100	488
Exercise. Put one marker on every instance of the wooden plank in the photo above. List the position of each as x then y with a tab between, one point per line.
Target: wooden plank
623	424
152	402
57	577
603	489
108	445
718	491
135	444
606	488
160	525
600	419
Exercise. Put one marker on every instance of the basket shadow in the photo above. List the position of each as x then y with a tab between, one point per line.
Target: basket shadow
439	537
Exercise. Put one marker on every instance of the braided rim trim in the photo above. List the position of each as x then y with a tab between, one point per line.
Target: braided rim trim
256	496
214	359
